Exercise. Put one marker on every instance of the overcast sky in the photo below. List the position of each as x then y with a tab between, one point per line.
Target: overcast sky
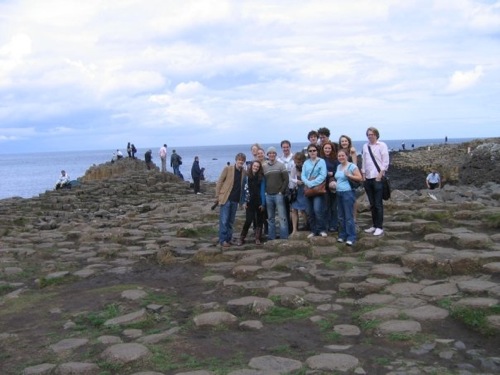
96	74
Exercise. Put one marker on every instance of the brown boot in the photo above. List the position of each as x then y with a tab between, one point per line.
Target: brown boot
241	240
258	233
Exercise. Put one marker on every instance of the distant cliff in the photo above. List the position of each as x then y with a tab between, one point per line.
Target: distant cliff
469	163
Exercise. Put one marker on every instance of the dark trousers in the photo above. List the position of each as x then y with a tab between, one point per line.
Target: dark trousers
253	215
196	183
373	189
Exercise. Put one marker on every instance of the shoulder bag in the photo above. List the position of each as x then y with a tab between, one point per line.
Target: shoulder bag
315	190
386	190
354	184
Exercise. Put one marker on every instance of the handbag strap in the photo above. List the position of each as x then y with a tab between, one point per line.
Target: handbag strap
373	158
312	170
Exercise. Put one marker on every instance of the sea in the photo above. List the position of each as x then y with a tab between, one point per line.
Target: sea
28	175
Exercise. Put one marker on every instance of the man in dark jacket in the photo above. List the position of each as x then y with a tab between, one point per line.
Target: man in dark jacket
196	175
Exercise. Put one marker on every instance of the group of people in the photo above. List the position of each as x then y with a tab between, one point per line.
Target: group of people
318	184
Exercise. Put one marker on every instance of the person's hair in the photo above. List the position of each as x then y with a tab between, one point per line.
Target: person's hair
255	145
196	158
374	131
333	154
285	141
259	174
299	156
312	133
315	146
164	145
348	140
324	131
240	155
343	151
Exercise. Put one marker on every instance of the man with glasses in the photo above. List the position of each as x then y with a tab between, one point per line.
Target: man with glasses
276	177
372	177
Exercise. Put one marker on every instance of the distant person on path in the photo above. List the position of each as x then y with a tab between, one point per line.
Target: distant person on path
148	158
403	146
175	162
163	158
196	175
255	201
229	193
372	177
433	180
129	150
446	139
63	182
134	150
276	177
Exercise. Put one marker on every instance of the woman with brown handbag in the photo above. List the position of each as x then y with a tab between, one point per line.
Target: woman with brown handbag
314	178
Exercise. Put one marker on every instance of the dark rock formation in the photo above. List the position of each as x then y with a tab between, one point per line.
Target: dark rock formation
470	163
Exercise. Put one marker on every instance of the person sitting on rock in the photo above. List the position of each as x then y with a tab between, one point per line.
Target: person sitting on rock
433	180
63	182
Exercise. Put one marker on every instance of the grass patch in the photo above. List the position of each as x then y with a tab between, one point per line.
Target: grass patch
45	283
492	220
475	318
97	319
6	289
280	314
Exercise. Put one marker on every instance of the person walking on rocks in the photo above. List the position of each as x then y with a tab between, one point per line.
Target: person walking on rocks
229	193
148	158
375	164
196	175
163	158
175	162
255	201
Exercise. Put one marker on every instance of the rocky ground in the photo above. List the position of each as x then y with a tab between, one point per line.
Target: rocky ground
121	276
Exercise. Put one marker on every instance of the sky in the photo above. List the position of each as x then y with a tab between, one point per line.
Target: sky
95	74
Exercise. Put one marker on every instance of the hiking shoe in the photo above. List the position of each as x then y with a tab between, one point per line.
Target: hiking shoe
340	240
348	243
225	244
310	235
378	232
370	230
323	234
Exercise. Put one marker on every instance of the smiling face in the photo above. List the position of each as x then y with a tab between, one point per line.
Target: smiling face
255	167
271	156
286	148
327	149
341	156
261	155
312	151
344	143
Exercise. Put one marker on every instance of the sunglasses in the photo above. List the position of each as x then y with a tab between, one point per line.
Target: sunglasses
312	150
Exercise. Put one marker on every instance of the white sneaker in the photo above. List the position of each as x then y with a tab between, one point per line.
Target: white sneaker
323	234
348	243
198	193
370	230
310	235
340	240
378	232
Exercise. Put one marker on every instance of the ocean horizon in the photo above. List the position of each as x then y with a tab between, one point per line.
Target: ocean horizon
28	175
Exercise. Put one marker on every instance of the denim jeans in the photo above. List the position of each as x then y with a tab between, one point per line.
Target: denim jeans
276	202
347	227
316	213
373	189
226	221
332	216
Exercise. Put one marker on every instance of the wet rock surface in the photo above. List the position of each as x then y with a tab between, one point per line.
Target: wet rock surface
122	276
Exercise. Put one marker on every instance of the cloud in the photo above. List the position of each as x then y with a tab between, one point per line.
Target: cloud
463	80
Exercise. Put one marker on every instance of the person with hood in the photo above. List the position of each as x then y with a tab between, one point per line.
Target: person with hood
196	175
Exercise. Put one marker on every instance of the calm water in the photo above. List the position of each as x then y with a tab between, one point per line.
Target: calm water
28	175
